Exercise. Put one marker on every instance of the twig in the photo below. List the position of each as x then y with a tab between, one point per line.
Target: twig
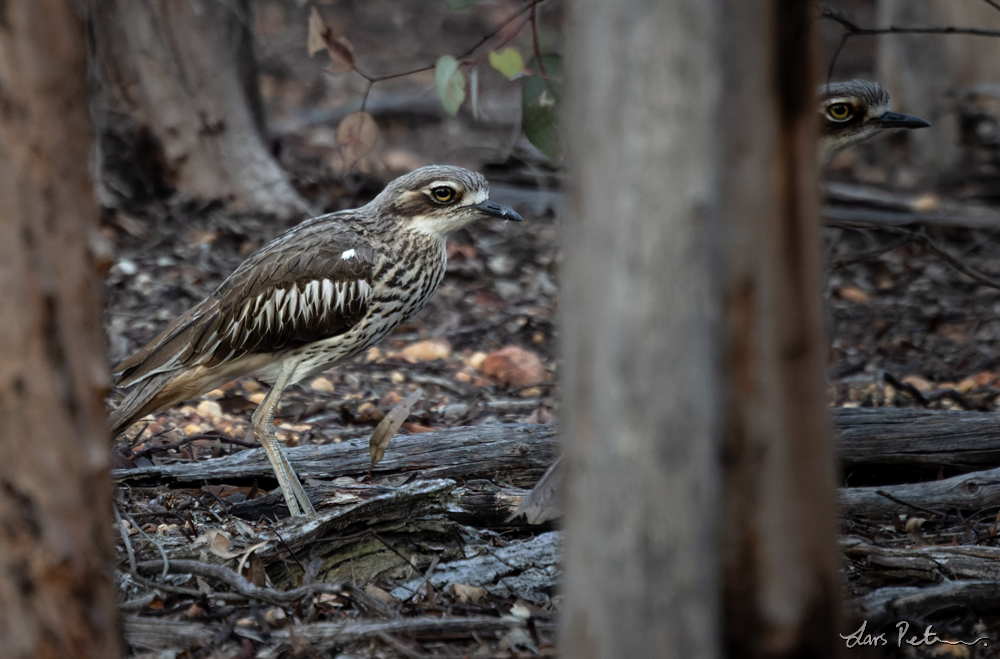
914	506
856	30
187	440
239	583
905	386
927	243
389	76
847	260
163	553
399	647
125	540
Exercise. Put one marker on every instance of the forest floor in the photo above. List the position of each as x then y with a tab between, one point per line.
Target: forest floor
413	562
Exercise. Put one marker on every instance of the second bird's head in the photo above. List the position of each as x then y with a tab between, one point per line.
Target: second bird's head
854	111
439	199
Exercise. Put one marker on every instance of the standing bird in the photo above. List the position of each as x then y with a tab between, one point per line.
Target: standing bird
322	292
853	112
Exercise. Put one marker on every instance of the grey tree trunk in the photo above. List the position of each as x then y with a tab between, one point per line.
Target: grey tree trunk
177	106
700	498
56	595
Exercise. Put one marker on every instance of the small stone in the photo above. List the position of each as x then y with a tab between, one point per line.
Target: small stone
374	354
210	410
427	351
250	385
192	429
321	385
397	377
853	294
475	360
257	398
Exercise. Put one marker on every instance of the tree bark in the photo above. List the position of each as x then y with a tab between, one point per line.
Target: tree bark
692	330
177	105
638	343
780	564
56	597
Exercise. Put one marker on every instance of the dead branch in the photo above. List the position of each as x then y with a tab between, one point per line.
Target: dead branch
239	583
853	29
969	492
916	438
519	452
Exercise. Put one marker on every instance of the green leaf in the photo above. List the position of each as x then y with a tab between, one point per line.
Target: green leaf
508	62
541	101
459	5
450	83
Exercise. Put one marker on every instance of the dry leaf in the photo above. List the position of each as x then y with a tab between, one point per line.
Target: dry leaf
356	135
914	523
255	572
426	351
218	543
853	294
379	593
389	425
926	203
209	409
321	37
321	385
466	594
922	384
513	366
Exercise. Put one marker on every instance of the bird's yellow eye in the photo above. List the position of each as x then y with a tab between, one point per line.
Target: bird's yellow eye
443	194
839	112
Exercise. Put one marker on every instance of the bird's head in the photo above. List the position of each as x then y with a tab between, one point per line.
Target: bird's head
439	199
853	112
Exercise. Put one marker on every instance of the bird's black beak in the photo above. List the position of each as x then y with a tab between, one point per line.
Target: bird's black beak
496	210
897	120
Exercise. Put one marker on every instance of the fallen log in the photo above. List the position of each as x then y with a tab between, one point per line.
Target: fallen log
879	436
517	454
968	492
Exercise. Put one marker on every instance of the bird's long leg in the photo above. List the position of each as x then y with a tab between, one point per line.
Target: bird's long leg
263	430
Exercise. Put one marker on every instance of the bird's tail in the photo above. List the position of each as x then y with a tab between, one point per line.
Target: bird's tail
141	400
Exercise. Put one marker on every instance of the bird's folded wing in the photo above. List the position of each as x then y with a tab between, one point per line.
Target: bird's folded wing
300	288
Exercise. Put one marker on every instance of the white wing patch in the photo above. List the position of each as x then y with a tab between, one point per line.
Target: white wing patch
349	254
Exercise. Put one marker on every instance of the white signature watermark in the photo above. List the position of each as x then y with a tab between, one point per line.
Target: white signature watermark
861	638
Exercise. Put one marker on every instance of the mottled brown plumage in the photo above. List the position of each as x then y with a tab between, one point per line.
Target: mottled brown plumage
320	293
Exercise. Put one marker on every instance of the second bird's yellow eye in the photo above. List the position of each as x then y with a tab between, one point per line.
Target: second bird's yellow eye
443	194
839	111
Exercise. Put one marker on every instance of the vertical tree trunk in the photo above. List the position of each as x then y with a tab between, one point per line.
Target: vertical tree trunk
780	565
177	105
641	414
700	510
56	597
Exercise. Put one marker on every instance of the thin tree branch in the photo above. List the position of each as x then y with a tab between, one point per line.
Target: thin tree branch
856	30
928	244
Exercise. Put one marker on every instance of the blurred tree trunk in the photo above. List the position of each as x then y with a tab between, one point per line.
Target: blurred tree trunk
923	72
56	596
177	105
700	514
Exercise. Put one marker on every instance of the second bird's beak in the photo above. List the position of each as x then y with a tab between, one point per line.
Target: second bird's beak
898	120
496	210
